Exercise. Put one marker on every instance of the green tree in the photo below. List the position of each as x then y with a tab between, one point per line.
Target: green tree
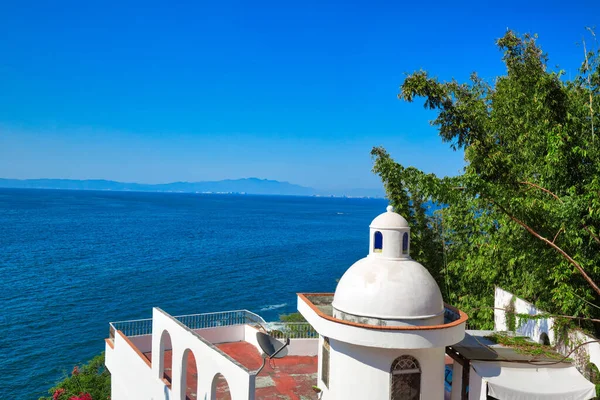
90	382
525	212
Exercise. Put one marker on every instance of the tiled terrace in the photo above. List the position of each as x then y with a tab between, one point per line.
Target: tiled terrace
288	378
232	335
291	377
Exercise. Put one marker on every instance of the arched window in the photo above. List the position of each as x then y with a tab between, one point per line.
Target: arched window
544	339
189	376
377	242
405	244
406	379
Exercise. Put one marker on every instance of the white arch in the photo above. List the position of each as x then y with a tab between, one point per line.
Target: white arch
165	344
183	381
213	387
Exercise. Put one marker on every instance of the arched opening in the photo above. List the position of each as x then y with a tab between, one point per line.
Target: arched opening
405	243
165	364
220	388
189	376
377	242
405	379
593	374
544	339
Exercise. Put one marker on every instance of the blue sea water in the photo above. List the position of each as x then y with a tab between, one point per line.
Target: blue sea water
72	261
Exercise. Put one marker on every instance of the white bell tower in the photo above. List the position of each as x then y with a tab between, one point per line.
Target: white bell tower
390	236
384	332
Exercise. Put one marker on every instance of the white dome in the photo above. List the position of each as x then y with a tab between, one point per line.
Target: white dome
388	289
389	220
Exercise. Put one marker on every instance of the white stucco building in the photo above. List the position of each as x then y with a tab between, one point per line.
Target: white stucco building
382	335
385	334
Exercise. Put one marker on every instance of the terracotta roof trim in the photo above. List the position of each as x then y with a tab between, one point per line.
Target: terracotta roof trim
463	317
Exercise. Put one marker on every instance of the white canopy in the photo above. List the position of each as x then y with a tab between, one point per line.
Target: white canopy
522	381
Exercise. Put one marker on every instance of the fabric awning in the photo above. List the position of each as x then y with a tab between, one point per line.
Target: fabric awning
516	381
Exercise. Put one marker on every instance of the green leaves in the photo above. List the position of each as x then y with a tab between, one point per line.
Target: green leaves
92	379
525	213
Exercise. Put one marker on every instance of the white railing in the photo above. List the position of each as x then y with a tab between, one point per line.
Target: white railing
143	327
292	330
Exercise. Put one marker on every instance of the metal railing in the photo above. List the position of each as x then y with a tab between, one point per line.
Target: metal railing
143	327
224	318
292	330
138	327
279	330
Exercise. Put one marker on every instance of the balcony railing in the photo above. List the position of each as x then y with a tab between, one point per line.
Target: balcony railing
138	327
143	327
225	318
292	330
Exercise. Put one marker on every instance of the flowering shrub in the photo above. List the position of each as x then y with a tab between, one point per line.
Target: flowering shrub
83	396
88	382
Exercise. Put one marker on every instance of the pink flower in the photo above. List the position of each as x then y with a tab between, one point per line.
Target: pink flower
82	396
75	370
59	392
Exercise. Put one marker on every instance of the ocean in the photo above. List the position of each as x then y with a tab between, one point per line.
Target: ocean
72	261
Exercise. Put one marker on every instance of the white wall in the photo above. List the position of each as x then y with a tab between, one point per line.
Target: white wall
297	347
210	360
131	377
531	328
144	343
222	334
303	347
358	372
534	328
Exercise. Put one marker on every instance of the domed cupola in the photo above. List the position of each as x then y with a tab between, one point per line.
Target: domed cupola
390	236
387	287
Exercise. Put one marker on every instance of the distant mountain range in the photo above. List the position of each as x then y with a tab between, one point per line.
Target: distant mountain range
246	185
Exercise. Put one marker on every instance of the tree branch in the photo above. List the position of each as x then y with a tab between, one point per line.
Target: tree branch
554	246
542	189
557	233
559	199
591	233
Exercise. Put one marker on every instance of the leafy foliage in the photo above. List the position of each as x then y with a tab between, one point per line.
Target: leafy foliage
524	345
292	317
525	212
90	382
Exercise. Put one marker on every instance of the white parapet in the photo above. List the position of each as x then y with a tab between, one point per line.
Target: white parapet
135	377
538	329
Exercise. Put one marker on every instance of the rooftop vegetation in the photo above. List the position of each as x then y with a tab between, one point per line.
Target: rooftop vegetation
524	345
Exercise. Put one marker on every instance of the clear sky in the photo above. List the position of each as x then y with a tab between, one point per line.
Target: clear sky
296	91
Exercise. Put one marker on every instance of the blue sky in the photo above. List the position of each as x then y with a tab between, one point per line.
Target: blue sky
296	91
